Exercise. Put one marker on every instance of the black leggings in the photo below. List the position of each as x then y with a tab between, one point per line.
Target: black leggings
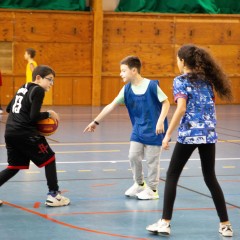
50	171
180	156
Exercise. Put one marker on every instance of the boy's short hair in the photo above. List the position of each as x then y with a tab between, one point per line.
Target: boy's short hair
31	52
43	71
132	62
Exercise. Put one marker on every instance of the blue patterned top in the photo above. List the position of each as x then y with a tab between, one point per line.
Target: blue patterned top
198	124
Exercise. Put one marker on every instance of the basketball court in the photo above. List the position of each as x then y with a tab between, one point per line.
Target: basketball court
94	172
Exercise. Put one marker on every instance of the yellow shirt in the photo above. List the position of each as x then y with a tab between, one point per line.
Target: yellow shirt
29	72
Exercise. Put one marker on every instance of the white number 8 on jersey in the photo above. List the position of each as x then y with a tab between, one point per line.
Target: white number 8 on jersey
17	104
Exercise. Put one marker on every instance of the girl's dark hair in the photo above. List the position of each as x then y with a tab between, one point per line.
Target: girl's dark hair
43	71
31	52
132	62
203	66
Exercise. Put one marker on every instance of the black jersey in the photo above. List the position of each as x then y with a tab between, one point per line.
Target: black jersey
24	110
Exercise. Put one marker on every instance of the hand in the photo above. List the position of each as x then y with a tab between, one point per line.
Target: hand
54	115
160	128
90	128
165	142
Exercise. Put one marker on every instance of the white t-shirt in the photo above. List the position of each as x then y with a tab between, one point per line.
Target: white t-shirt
140	89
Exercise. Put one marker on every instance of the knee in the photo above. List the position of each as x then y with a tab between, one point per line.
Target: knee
210	180
134	156
174	175
171	172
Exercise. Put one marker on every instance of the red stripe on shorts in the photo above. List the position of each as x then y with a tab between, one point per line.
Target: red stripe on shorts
18	167
48	161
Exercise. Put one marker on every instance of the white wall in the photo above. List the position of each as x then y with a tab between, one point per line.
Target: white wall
108	5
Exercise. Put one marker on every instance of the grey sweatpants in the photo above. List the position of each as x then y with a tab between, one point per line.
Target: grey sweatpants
137	153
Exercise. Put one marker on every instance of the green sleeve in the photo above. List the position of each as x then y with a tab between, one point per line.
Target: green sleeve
161	95
120	97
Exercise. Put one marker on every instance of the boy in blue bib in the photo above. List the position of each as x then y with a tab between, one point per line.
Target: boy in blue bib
147	107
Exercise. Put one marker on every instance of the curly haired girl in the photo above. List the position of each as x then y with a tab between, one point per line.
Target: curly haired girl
193	92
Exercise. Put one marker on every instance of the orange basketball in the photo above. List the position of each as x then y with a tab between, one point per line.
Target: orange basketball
47	127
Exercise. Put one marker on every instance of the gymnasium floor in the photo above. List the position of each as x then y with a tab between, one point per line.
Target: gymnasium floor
93	171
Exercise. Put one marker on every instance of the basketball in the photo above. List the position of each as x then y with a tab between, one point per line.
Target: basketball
47	127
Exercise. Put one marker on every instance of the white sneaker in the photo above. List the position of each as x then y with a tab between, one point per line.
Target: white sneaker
1	202
161	227
56	200
134	189
226	230
148	194
1	110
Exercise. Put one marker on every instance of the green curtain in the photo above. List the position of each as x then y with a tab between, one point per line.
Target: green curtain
69	5
228	6
137	6
180	6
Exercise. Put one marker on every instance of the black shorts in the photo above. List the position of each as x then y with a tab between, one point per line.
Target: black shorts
22	150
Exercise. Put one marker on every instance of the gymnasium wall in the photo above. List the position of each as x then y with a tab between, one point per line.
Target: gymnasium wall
64	40
156	39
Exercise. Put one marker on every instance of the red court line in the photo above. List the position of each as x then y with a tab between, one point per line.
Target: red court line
64	191
103	185
102	213
229	180
46	217
132	211
36	204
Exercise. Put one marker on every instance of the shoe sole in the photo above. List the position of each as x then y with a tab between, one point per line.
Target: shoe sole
48	205
153	232
164	234
226	235
147	198
57	206
159	233
130	196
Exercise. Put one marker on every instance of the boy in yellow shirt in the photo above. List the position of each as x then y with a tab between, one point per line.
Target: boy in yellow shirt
29	55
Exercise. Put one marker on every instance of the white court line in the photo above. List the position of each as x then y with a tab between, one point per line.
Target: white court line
90	151
127	161
162	160
84	144
116	143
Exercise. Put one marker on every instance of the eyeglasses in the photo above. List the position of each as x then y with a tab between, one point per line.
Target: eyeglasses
51	80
